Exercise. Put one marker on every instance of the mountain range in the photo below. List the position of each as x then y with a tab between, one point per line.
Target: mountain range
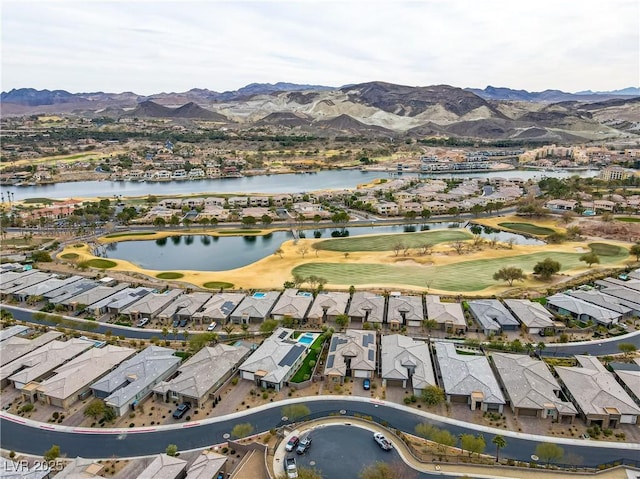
366	109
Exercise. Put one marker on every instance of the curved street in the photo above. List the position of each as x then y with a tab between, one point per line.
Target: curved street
34	438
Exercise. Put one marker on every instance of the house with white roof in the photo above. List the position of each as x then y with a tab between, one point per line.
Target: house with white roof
92	296
599	398
293	304
218	308
13	281
206	466
72	381
164	467
44	287
327	306
351	354
115	303
449	316
366	307
492	315
12	331
184	307
133	380
405	359
255	308
150	305
581	310
534	317
202	375
16	347
600	298
81	468
405	311
275	361
468	379
39	363
629	377
531	389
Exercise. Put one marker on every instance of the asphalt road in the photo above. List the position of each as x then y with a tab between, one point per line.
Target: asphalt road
36	438
601	347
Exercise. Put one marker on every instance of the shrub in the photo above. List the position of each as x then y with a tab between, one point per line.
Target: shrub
28	407
234	381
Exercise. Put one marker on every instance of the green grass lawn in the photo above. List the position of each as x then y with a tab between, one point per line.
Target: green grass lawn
71	256
169	275
101	263
609	250
527	228
46	201
473	275
388	241
305	367
218	285
628	219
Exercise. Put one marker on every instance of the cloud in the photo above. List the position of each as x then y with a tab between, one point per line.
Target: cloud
152	46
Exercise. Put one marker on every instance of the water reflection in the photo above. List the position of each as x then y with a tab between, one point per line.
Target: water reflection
220	253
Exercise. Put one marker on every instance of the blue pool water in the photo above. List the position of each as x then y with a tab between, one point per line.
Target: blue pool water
307	338
306	294
259	295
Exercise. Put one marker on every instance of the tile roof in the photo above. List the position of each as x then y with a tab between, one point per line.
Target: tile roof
398	353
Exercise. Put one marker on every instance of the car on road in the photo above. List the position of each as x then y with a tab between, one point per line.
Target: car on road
304	445
212	326
290	467
142	323
382	441
292	443
366	384
181	410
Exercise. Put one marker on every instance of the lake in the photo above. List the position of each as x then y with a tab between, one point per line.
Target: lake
220	253
289	183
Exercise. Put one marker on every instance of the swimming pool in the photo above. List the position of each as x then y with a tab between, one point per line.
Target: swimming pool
259	295
305	294
307	338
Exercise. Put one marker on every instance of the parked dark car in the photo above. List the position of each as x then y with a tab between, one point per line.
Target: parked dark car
181	410
366	384
183	322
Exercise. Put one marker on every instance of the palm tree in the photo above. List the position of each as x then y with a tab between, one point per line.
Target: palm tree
500	443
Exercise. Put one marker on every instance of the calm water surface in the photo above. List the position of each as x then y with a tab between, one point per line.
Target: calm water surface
221	253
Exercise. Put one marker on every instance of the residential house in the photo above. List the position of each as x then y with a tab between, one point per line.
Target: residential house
255	308
600	298
165	467
405	311
292	304
493	316
561	205
405	359
184	307
275	361
387	208
81	468
467	378
115	303
625	295
351	354
596	394
367	307
581	310
72	381
65	293
150	305
531	389
44	287
37	364
218	308
259	201
206	466
13	281
131	382
628	375
94	295
202	375
449	316
535	318
15	347
12	331
327	306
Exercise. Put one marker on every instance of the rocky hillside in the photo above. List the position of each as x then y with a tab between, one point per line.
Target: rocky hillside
369	109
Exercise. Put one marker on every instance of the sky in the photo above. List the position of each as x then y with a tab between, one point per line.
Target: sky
167	46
